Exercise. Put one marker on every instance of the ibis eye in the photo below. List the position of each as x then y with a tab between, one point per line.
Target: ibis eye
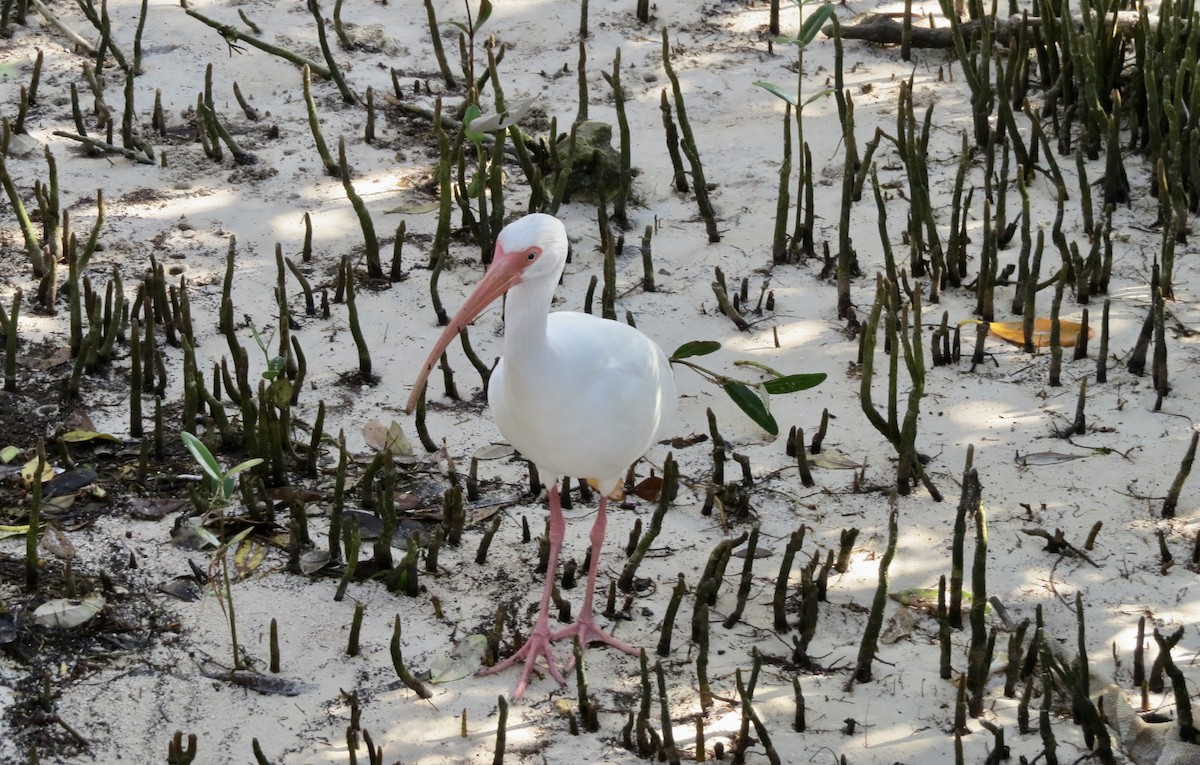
532	256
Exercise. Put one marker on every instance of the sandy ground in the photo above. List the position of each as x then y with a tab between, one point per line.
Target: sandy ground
128	707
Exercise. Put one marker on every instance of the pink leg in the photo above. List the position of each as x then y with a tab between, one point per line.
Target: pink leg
538	643
585	626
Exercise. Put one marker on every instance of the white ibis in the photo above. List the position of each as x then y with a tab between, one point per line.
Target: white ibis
579	396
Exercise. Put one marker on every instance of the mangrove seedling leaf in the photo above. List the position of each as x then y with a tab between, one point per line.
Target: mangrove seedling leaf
793	383
813	24
280	391
204	458
472	114
815	96
695	348
206	535
776	90
752	404
485	12
275	365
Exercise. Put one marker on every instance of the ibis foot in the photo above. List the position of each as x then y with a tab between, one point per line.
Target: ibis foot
587	631
538	644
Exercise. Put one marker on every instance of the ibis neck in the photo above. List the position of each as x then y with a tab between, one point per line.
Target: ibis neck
525	315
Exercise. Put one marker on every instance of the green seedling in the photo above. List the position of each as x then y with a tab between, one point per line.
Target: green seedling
279	386
468	32
808	31
753	398
220	558
220	484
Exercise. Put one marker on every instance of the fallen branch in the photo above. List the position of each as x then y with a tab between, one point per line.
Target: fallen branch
95	143
885	30
233	36
75	38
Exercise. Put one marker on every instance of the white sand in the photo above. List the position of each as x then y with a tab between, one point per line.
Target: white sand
129	709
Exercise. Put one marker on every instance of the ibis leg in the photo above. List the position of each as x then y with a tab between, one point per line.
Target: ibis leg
539	641
585	626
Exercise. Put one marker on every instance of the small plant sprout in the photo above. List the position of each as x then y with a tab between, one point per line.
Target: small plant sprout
219	484
808	31
224	592
753	398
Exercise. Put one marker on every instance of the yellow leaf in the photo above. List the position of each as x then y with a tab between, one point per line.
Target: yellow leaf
79	436
1014	332
248	556
30	469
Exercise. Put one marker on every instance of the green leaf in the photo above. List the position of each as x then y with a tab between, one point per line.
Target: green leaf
262	346
750	403
774	89
207	536
793	383
485	12
238	537
274	367
815	96
243	467
8	454
208	463
473	113
460	27
695	348
280	392
813	24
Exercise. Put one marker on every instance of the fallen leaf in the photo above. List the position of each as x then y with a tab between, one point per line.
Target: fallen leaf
313	561
494	452
8	628
413	207
462	661
649	488
369	525
831	459
30	469
66	613
70	482
248	557
80	436
155	508
899	627
185	588
477	515
50	360
8	454
1014	332
682	442
1038	459
56	543
13	531
390	437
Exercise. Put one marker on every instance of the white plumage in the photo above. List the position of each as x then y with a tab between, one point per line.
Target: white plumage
579	396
